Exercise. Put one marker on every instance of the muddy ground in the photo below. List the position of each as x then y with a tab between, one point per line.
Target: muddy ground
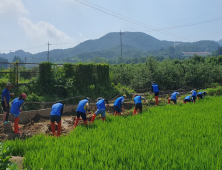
41	125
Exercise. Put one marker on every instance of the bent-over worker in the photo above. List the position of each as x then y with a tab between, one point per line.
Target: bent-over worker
174	97
16	109
138	104
55	116
201	95
194	95
81	111
118	105
188	99
101	109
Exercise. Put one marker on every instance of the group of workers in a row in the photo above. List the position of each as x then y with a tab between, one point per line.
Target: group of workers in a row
83	107
191	98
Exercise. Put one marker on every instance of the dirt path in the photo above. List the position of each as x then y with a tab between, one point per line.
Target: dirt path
42	124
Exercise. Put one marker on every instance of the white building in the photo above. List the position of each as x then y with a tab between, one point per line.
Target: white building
196	53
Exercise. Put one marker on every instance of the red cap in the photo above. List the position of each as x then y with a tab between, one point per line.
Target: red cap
24	95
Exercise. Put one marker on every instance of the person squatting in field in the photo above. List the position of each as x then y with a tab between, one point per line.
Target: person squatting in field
55	116
5	101
138	103
174	97
201	95
101	109
194	95
16	105
188	99
81	111
118	105
155	90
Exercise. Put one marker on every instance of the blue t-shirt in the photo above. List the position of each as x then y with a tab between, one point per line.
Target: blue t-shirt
118	101
174	96
201	93
6	94
189	98
81	106
155	88
194	93
137	99
16	104
57	109
101	104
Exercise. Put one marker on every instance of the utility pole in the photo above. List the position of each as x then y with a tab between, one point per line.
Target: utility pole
48	51
120	33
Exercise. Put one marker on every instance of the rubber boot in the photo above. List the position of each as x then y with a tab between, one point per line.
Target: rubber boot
53	128
134	112
59	128
156	97
103	118
85	122
115	113
93	118
169	100
16	120
194	101
76	122
119	114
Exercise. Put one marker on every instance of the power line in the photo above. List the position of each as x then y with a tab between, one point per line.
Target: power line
191	24
151	28
43	46
155	29
131	21
26	48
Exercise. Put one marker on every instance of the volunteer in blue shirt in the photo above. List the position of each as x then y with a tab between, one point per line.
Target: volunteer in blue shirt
155	90
118	105
201	95
101	109
194	95
55	116
188	99
81	111
174	97
15	110
5	101
137	100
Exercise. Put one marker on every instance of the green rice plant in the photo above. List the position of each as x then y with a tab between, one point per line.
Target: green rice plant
5	163
183	136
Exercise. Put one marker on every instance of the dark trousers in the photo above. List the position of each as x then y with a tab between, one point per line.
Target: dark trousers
187	100
6	109
139	106
83	115
174	101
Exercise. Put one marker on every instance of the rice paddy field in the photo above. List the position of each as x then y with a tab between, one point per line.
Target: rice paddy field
183	136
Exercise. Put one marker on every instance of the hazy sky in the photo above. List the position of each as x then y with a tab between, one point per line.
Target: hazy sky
65	23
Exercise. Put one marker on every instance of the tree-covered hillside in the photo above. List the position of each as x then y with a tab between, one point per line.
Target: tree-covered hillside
135	44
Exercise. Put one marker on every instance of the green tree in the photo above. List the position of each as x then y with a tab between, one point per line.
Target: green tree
219	59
